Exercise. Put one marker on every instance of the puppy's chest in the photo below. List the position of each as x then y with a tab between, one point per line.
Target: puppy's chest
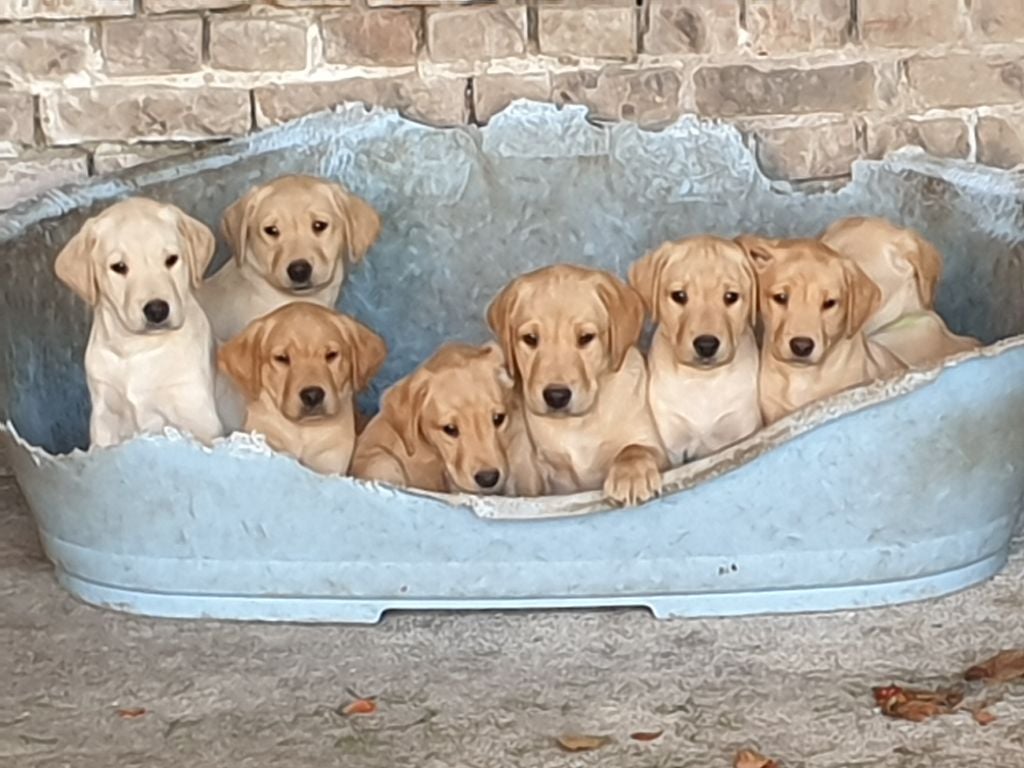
176	364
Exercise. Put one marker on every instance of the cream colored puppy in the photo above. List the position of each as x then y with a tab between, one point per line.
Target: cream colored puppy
814	304
703	362
300	368
907	269
149	360
453	424
569	337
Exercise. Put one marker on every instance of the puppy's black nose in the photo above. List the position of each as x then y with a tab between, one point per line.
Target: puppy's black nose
706	345
487	478
311	397
156	311
801	346
557	397
299	271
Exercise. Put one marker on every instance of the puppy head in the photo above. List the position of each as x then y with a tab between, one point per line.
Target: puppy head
810	297
457	404
561	329
701	291
138	260
306	359
296	231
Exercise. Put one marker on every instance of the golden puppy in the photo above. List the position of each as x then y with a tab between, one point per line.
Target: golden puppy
814	304
454	424
569	336
703	362
149	361
300	368
907	269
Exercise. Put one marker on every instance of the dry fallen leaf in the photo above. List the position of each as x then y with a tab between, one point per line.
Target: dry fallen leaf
908	704
581	743
646	735
360	707
130	713
1004	666
982	716
749	758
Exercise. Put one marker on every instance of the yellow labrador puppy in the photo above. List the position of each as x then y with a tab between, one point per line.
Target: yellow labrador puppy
907	269
814	304
149	362
569	337
300	368
454	424
703	363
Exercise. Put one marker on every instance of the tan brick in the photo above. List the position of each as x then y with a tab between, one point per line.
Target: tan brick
492	93
600	29
1001	140
44	51
798	153
649	97
794	25
109	158
387	3
998	20
173	6
388	36
317	3
16	112
153	46
438	101
474	34
258	44
745	90
692	26
942	137
29	175
64	9
148	113
964	81
908	23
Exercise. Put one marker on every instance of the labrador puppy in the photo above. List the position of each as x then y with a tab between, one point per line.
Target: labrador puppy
149	362
703	362
299	368
907	269
814	304
569	338
454	424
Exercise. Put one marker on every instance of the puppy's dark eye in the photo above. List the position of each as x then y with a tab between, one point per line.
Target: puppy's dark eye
530	339
283	359
781	298
585	339
171	260
119	267
730	298
679	297
331	356
319	226
498	419
451	430
272	230
829	303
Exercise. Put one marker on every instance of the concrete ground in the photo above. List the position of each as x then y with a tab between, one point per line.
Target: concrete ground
488	689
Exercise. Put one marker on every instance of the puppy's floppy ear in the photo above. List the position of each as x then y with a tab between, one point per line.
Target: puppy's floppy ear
927	263
862	297
367	350
362	224
242	358
199	245
499	318
625	314
645	277
76	263
402	408
492	350
759	251
752	287
234	224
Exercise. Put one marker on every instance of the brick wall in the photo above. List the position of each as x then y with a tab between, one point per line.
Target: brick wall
87	86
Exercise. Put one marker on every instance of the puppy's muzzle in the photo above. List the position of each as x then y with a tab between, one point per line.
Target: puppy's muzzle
312	398
300	272
487	478
557	397
706	346
801	346
156	312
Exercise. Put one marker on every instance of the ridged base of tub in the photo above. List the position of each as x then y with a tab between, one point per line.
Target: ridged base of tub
353	611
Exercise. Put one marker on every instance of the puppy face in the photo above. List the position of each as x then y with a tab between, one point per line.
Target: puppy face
139	260
306	358
810	298
701	291
561	329
459	405
296	231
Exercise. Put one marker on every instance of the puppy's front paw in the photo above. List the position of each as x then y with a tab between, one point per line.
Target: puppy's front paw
633	479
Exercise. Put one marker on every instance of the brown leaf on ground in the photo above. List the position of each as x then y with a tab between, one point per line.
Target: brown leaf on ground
908	704
646	735
982	716
360	707
1001	668
749	758
130	713
572	742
